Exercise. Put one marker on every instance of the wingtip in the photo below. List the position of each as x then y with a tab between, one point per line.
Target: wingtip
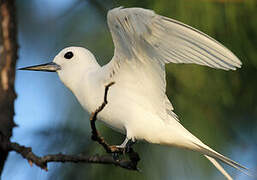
237	66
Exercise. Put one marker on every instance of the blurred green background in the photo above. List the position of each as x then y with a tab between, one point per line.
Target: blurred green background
219	107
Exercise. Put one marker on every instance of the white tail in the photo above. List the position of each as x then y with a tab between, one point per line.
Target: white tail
210	154
219	167
176	135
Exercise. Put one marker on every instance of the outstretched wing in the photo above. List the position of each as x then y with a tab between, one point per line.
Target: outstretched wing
137	30
145	41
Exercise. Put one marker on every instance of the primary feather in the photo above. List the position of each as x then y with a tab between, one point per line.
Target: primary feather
166	40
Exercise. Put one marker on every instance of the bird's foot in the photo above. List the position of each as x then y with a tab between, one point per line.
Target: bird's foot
117	150
128	146
125	147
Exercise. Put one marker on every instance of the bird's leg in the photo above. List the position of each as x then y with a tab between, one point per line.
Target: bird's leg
119	148
126	145
127	148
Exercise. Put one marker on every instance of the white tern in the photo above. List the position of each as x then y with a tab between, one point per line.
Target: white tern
137	103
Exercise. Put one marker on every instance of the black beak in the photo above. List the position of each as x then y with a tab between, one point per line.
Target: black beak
49	67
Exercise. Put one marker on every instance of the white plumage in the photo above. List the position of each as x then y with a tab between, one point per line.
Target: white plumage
138	105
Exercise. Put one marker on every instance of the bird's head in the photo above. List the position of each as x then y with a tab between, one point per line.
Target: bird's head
69	63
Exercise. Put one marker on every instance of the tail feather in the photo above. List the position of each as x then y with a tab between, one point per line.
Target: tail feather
181	137
211	153
219	167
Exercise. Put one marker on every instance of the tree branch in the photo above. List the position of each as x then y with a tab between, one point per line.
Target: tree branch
8	50
26	152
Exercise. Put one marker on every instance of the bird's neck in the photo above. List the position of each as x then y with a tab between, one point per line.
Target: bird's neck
86	87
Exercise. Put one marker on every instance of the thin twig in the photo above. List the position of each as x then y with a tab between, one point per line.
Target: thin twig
133	156
95	134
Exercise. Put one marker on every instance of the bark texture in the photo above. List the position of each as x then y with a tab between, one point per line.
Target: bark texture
8	55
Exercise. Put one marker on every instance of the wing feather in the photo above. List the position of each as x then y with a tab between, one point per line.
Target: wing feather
145	39
170	40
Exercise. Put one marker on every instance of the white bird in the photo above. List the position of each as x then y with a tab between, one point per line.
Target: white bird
137	103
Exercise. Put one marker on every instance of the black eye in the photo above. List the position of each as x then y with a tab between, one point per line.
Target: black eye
68	55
